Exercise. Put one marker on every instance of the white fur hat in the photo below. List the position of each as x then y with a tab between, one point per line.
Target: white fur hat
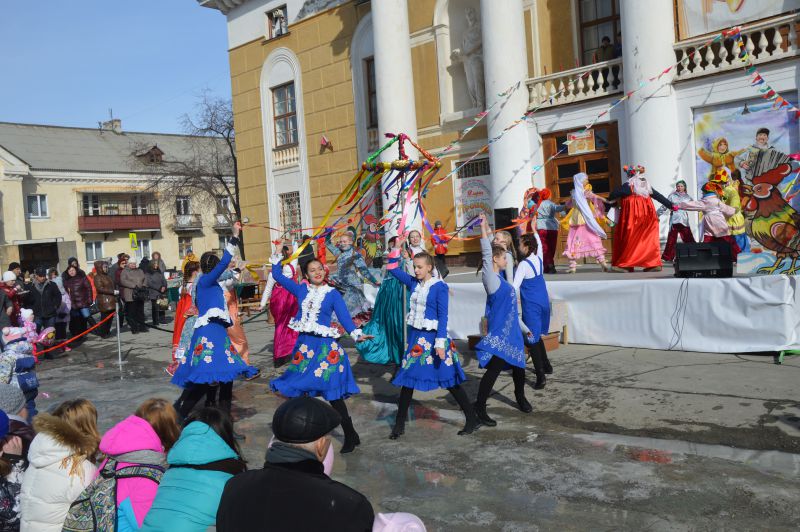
27	314
9	276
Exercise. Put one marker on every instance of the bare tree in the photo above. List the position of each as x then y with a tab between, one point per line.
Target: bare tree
207	170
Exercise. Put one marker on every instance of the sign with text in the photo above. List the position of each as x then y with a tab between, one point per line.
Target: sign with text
581	142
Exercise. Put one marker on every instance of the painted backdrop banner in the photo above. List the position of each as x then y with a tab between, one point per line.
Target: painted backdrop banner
723	133
698	17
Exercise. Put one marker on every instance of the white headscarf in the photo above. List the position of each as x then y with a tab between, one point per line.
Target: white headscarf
579	200
640	186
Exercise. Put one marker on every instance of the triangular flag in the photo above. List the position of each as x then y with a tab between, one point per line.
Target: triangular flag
751	69
797	114
784	103
771	95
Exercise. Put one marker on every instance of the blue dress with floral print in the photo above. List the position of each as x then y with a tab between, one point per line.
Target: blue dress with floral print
212	358
319	365
421	368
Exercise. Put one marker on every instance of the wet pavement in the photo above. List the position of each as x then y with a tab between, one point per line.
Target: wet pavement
620	439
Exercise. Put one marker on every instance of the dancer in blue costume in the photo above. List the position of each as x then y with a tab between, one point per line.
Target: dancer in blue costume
350	273
503	346
319	365
532	291
212	359
431	360
386	323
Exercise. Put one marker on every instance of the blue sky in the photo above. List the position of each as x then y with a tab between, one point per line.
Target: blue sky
66	62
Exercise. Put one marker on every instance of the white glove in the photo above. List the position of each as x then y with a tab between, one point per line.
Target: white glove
116	292
275	259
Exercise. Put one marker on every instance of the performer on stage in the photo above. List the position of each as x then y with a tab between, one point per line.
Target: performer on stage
532	292
585	237
636	242
212	358
319	366
350	274
715	215
386	323
547	227
503	346
283	306
678	221
431	360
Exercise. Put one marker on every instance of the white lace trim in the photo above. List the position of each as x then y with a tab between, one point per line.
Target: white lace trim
313	328
310	309
356	334
440	343
215	312
416	313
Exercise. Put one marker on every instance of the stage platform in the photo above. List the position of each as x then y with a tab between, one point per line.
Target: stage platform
658	311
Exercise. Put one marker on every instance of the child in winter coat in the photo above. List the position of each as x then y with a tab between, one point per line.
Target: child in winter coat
62	464
141	439
201	462
18	357
12	467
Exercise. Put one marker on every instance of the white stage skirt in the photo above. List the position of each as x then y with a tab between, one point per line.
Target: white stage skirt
737	315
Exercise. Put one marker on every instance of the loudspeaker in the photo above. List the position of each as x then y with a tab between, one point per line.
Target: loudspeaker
709	259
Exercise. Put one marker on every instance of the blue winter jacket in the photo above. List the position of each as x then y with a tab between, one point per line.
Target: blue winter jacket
187	499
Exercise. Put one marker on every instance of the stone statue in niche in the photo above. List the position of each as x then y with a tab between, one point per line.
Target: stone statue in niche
278	23
471	56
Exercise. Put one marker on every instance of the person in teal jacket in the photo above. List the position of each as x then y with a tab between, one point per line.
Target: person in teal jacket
201	462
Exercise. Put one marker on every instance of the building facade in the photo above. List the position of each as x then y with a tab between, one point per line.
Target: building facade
346	72
87	193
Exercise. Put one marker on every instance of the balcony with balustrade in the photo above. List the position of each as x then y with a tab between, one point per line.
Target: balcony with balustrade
771	40
286	156
188	223
106	213
774	39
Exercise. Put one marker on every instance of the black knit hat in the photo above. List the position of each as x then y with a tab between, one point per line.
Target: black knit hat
304	420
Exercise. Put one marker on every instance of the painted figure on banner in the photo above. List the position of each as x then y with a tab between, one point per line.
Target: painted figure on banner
471	56
720	156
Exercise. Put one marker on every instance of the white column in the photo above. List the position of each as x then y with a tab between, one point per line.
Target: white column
394	80
648	32
505	63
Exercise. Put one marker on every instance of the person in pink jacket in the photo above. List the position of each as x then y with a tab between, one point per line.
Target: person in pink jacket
715	216
141	439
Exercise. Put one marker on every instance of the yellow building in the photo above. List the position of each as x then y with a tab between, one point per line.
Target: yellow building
75	192
307	72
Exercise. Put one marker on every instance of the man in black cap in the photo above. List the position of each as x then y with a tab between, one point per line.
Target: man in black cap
43	298
292	492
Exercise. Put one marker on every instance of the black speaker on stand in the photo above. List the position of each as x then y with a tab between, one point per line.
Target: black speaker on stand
703	259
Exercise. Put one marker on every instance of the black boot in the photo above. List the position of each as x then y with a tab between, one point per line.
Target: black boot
483	416
523	403
226	407
399	424
472	421
351	439
538	366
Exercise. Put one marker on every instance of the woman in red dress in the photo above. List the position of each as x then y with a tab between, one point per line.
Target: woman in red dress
636	240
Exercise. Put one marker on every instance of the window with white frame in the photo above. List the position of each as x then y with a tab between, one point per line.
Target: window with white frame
94	250
139	204
91	205
144	249
37	206
290	213
284	112
277	22
183	205
223	204
184	245
372	92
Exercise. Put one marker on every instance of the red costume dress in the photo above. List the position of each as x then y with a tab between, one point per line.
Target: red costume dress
636	240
